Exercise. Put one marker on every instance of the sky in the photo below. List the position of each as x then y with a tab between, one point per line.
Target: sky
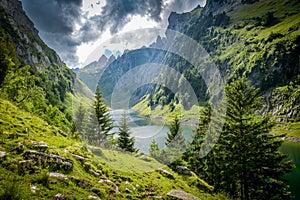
77	28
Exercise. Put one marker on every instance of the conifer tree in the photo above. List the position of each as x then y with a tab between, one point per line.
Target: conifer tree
79	118
154	150
175	138
103	117
246	163
196	163
125	142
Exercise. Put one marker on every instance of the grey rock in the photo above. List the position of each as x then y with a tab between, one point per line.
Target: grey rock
94	173
80	158
184	170
128	190
64	163
59	196
2	155
57	175
166	173
93	197
179	194
109	182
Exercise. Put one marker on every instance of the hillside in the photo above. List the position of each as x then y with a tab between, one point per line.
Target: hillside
41	153
256	39
41	161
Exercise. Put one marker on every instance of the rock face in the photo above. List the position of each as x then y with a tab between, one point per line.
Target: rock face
14	8
56	162
30	48
90	74
178	194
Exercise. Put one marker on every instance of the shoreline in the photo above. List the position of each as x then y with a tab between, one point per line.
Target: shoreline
291	139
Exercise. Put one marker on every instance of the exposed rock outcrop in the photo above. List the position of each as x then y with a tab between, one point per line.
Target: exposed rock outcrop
178	194
55	161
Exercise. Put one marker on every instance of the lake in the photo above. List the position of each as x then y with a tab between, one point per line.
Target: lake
145	130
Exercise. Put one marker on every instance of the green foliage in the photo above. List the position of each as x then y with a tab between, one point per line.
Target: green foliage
154	150
11	189
192	156
79	117
246	162
175	138
125	142
138	175
8	58
102	116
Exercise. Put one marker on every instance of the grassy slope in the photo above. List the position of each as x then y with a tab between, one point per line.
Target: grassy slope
19	126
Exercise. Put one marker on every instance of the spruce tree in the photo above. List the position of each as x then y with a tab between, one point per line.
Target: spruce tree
103	117
246	163
154	150
125	142
196	163
175	138
79	118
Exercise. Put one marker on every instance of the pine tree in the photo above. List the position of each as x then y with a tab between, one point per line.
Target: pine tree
196	163
154	150
103	117
246	162
125	142
79	118
175	138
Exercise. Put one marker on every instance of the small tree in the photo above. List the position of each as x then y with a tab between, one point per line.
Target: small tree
79	118
103	117
196	163
125	142
175	138
154	150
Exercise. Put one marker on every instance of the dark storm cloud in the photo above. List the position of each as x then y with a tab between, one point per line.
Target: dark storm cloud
117	13
56	19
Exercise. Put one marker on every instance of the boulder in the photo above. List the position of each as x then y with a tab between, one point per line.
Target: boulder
33	188
2	155
57	175
166	173
26	165
94	173
93	197
109	182
80	158
128	190
55	161
184	170
181	195
59	197
146	158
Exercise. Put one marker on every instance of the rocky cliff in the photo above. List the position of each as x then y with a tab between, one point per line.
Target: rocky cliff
30	48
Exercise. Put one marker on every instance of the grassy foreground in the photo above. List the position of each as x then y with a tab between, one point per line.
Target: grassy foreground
95	172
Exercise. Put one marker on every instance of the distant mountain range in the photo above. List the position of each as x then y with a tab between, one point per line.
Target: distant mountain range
256	39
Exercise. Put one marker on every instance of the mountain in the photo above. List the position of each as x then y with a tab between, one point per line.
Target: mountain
256	39
41	153
91	73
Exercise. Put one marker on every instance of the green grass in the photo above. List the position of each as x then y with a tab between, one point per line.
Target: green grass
290	129
124	170
165	113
